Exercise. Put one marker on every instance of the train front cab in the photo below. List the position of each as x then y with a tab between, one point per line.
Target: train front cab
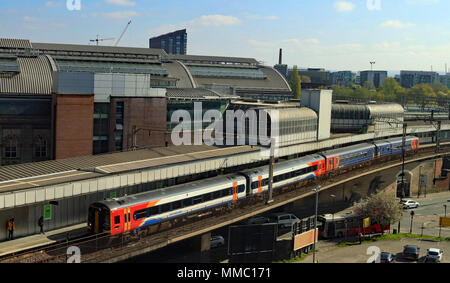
99	218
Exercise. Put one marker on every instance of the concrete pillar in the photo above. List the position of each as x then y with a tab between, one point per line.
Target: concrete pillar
202	243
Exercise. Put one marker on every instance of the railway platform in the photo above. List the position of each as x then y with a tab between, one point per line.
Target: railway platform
22	244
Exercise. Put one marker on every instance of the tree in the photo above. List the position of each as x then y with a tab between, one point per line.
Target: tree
421	90
439	88
391	90
383	207
305	79
295	83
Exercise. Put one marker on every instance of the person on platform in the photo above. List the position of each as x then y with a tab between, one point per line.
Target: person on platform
11	228
41	224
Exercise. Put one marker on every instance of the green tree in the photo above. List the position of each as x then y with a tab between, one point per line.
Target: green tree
391	90
295	83
419	91
305	79
438	87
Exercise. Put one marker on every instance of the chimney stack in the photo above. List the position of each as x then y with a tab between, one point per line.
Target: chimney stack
280	60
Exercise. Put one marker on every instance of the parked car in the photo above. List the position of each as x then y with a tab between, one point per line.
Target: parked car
411	252
258	220
407	203
284	220
433	255
217	241
386	257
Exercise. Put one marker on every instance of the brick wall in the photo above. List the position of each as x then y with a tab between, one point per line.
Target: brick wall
148	113
74	125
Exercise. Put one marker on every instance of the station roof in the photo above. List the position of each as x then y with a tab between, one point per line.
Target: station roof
32	75
197	93
29	175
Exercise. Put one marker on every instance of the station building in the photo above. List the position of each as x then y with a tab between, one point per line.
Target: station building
65	100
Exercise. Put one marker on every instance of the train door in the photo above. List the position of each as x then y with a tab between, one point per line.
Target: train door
126	219
117	221
235	192
260	185
99	218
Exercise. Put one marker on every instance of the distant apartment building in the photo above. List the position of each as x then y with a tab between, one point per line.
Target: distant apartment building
445	79
342	78
376	78
282	69
173	43
409	79
319	77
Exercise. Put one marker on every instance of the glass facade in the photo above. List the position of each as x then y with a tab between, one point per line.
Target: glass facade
119	126
101	127
172	43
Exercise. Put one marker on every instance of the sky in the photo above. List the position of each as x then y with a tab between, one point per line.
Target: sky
330	34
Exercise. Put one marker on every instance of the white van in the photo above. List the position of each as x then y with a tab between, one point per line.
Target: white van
284	220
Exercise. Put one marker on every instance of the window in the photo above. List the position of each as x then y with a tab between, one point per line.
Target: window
40	147
117	220
165	208
154	210
176	205
197	200
11	147
140	214
241	188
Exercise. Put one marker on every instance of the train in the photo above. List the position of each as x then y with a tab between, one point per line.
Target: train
135	212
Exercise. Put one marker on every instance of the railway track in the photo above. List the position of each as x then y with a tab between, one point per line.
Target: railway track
112	249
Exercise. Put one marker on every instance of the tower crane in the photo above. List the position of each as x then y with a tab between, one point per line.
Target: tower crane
125	30
97	40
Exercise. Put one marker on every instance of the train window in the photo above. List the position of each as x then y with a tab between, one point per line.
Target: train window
165	207
154	210
241	188
265	182
207	197
197	200
217	194
187	202
227	192
176	205
116	219
140	214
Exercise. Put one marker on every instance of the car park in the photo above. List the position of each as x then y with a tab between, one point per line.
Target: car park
386	257
411	252
407	204
217	241
433	255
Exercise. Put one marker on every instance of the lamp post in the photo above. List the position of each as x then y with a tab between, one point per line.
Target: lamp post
334	198
412	217
316	190
445	209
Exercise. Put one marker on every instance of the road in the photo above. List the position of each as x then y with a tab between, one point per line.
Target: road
359	253
426	216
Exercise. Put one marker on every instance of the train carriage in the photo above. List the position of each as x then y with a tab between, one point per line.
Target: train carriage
129	213
134	212
285	173
411	144
348	156
382	148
